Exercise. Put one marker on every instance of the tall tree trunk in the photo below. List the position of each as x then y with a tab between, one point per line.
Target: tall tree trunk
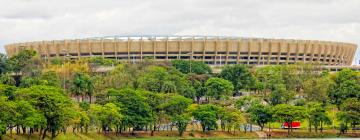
44	133
90	99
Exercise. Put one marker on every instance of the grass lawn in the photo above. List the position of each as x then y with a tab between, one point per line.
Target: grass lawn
144	135
281	133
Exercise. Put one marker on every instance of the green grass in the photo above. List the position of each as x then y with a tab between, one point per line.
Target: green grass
163	135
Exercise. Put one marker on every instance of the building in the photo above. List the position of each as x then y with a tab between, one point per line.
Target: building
215	50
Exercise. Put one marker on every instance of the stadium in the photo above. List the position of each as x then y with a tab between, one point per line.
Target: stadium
212	50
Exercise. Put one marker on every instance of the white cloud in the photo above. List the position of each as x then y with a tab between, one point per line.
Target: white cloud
29	20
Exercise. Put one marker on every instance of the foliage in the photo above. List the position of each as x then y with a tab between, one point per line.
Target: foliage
288	113
191	66
101	61
218	88
51	103
239	76
346	85
136	112
207	115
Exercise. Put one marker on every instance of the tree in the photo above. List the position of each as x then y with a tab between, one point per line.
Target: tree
206	114
198	83
108	115
316	89
20	60
176	105
288	113
7	79
51	102
81	84
3	63
260	114
346	85
280	95
231	119
181	122
317	116
28	116
136	111
239	76
155	101
217	88
162	80
191	66
350	112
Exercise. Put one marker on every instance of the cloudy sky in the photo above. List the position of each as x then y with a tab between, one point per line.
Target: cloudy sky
32	20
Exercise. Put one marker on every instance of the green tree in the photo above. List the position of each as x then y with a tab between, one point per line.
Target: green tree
136	112
162	80
7	79
217	88
317	116
3	63
207	115
288	113
181	122
260	114
191	66
350	112
175	107
346	85
198	83
316	89
81	85
108	115
20	60
239	76
51	102
280	95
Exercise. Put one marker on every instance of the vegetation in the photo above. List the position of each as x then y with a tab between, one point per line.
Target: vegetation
48	98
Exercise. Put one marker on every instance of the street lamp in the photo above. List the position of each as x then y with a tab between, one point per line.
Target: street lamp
190	58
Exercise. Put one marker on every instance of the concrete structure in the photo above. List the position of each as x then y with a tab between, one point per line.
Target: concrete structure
211	50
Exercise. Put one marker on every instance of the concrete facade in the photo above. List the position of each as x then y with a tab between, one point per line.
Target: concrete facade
211	50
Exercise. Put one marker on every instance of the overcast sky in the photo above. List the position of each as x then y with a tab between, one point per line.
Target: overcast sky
33	20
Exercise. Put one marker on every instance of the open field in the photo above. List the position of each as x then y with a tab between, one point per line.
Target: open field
145	135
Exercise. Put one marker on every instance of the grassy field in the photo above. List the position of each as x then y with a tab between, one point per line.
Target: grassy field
144	135
306	134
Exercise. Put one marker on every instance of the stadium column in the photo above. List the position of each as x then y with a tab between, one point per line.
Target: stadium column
269	51
203	49
192	48
141	48
297	51
128	49
280	44
260	43
47	50
78	48
154	49
306	48
102	47
249	51
57	49
216	49
89	47
227	51
115	43
179	47
287	52
313	45
167	48
332	53
326	53
238	51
